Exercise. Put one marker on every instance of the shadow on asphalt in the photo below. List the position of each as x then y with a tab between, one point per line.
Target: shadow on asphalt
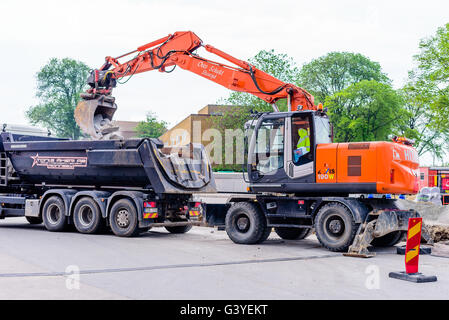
23	226
300	244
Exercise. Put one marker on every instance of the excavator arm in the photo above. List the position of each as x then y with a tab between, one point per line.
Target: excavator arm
97	107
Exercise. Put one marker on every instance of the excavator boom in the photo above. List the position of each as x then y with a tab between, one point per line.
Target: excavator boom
94	113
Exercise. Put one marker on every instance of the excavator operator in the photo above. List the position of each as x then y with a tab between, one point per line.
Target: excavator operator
303	145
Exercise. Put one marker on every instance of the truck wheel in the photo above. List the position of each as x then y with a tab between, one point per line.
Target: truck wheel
123	219
388	240
34	220
178	229
292	233
53	214
87	216
335	227
246	224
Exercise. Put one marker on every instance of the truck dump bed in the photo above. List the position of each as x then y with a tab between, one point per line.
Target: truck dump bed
135	163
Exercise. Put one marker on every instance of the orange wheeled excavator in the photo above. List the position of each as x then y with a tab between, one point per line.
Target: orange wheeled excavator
289	153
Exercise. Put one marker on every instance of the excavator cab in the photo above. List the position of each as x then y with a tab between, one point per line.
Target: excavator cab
282	148
292	152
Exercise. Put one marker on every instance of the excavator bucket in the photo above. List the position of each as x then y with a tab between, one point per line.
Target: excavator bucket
94	113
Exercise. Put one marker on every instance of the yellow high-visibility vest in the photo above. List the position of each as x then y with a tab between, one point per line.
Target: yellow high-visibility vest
304	139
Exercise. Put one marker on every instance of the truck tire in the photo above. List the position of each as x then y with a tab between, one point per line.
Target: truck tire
178	229
388	240
53	214
34	220
246	224
335	227
87	216
123	219
292	233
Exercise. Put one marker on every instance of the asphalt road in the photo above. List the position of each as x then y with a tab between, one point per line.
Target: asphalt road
202	264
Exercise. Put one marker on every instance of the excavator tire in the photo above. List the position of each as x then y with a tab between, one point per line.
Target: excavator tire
335	227
265	235
388	240
246	224
292	233
178	229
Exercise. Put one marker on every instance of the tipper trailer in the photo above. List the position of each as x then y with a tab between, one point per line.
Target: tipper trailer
128	185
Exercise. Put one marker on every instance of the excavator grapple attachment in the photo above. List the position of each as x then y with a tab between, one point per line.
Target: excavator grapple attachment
94	113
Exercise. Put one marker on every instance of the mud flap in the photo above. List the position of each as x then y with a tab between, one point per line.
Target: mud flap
379	223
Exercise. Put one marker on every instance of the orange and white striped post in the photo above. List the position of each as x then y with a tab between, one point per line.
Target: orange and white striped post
412	255
413	243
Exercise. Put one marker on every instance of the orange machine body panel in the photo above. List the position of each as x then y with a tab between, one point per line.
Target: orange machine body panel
392	166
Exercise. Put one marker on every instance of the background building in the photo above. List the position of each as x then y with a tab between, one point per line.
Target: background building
194	124
435	177
127	128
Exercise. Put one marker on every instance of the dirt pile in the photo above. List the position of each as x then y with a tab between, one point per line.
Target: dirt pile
435	217
438	232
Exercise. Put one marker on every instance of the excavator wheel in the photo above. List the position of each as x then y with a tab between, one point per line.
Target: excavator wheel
292	233
178	229
388	240
335	227
265	235
246	224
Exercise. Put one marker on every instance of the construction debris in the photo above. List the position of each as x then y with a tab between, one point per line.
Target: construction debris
436	217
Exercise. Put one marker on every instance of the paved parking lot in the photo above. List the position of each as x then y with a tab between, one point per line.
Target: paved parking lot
202	264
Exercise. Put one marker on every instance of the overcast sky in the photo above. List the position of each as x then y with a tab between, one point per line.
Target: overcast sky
32	32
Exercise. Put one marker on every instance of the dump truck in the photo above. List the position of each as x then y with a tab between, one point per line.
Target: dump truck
128	186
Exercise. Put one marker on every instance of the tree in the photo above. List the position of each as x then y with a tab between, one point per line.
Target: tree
329	74
427	94
151	127
365	111
279	65
421	125
59	84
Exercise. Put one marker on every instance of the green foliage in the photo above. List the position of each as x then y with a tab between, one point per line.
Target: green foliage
59	84
151	127
329	74
427	95
420	123
365	111
280	66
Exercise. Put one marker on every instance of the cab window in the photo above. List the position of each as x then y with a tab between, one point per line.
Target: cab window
301	140
322	130
269	149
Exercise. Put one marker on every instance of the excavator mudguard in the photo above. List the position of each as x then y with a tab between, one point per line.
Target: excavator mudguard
94	113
